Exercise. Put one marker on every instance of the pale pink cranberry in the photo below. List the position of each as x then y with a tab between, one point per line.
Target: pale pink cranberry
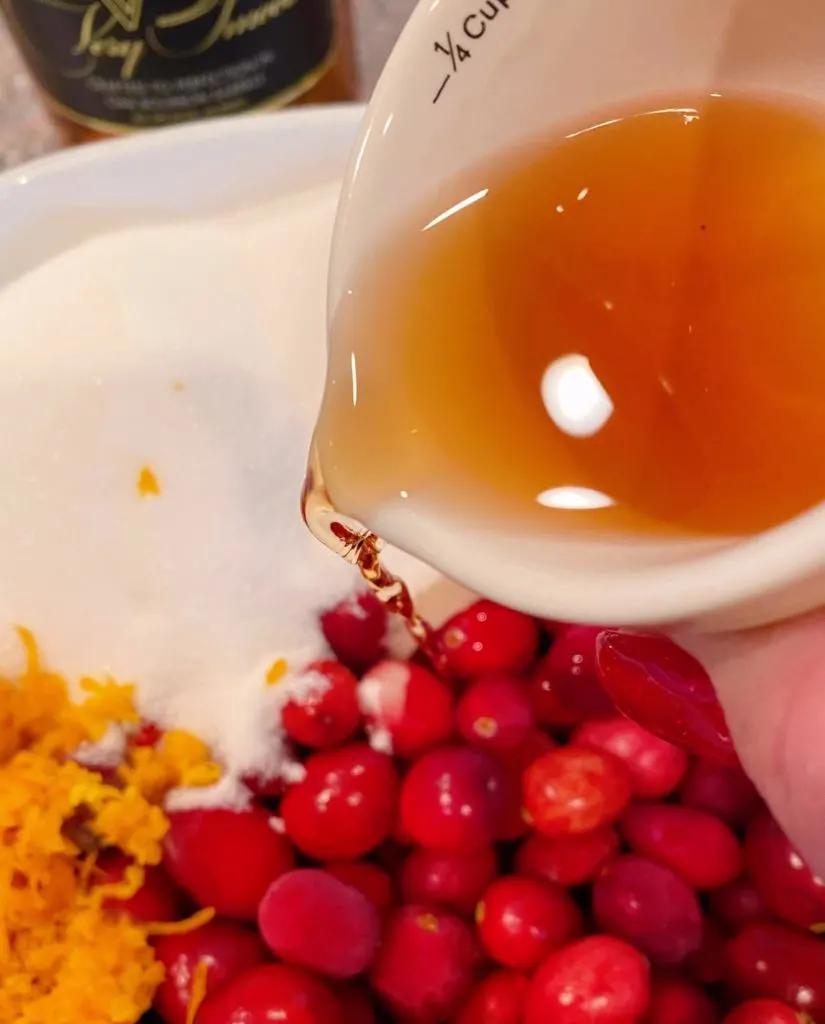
656	767
499	999
720	789
158	898
226	947
369	879
736	904
699	847
763	1011
227	859
597	980
356	630
495	713
487	637
272	992
311	919
649	905
407	709
521	921
777	961
345	806
567	860
573	790
675	1000
788	887
452	879
426	965
453	799
328	714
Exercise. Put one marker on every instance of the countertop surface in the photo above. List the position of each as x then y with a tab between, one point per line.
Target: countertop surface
26	132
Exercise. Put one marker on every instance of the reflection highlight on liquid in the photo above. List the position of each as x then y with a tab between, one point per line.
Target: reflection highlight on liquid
574	396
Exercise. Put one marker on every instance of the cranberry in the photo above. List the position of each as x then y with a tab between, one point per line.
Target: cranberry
313	920
656	767
788	887
763	1011
699	847
226	947
408	710
356	630
488	638
356	1004
158	898
346	804
597	980
720	789
520	921
778	961
495	713
448	878
569	668
272	992
515	763
453	799
665	689
572	790
498	999
370	880
675	1000
736	904
567	860
649	905
266	787
147	734
328	713
426	964
226	859
707	965
548	709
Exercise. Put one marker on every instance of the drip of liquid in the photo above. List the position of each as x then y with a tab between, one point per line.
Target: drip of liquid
619	327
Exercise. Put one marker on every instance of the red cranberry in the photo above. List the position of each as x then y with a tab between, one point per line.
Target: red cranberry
699	847
272	992
572	790
763	1011
720	789
147	734
226	859
426	964
448	878
665	689
567	860
736	904
597	980
548	709
370	880
649	905
656	767
675	1000
488	638
266	787
158	898
226	947
788	887
328	713
498	999
408	710
569	668
778	961
346	804
707	965
356	1004
313	920
520	921
453	799
356	630
515	763
495	713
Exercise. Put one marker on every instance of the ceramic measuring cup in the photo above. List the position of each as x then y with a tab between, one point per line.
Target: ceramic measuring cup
471	78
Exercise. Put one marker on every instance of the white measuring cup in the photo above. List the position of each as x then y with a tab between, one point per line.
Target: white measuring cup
470	78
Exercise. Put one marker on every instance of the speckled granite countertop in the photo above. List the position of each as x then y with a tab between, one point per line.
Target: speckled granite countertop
25	131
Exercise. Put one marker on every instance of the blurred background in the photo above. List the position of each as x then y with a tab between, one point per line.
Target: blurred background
26	130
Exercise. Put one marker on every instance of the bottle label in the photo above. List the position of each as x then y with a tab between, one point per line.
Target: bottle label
121	64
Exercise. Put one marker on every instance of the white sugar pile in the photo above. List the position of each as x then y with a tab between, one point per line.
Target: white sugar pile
158	389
